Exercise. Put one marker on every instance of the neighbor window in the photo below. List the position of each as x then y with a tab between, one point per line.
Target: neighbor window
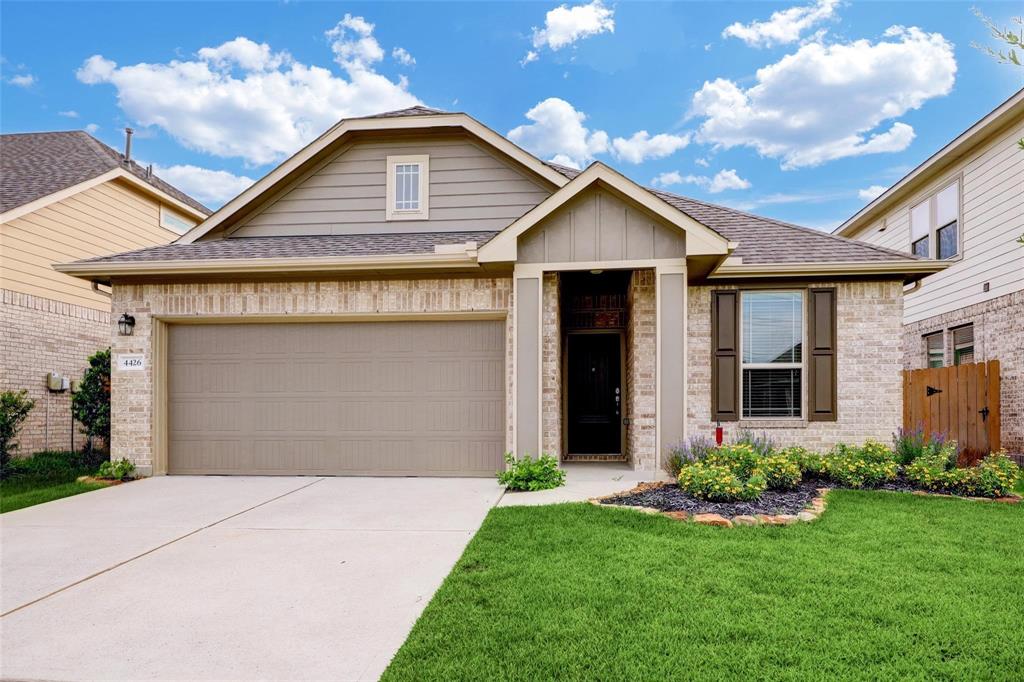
407	183
175	221
935	224
963	345
935	353
771	352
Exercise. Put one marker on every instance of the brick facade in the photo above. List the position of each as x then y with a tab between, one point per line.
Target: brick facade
641	370
40	335
998	335
132	403
551	366
870	362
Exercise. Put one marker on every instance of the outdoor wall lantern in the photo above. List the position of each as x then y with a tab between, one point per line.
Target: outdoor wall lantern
126	325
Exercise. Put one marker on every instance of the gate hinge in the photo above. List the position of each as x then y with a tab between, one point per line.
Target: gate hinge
931	390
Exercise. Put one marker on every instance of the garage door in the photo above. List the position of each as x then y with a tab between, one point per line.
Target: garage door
361	398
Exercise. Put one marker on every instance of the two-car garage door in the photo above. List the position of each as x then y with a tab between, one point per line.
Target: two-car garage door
363	398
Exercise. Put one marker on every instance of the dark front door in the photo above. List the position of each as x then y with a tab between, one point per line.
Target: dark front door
594	390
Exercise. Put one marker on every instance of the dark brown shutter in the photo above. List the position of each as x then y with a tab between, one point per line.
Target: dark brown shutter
821	332
725	361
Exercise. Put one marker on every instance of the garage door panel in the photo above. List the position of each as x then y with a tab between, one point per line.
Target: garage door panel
385	398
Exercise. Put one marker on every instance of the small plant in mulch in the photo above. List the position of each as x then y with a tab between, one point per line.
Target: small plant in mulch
525	473
867	466
121	470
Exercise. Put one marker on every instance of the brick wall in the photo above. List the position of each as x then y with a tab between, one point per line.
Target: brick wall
551	365
132	408
40	335
998	335
870	363
641	368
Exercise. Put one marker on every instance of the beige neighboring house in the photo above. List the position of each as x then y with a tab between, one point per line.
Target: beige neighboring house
66	195
965	206
413	294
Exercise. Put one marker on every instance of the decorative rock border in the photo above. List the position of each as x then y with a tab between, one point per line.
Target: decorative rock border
815	509
811	513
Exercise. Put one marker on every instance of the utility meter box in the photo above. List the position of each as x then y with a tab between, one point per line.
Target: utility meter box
56	382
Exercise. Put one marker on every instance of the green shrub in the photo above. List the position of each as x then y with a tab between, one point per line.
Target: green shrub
719	483
526	473
779	471
928	472
740	458
91	404
47	465
997	475
867	466
14	409
121	470
810	463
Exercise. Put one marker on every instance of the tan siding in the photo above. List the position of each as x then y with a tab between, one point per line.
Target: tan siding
992	212
470	189
597	226
104	219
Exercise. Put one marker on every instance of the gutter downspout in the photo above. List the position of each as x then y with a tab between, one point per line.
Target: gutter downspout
102	292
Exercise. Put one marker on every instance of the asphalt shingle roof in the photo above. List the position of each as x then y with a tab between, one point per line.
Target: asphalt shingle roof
35	165
307	246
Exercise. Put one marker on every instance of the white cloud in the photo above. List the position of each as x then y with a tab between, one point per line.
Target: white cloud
641	146
870	193
353	43
91	128
23	80
212	187
402	56
558	134
70	113
242	99
564	26
702	162
826	102
722	181
784	26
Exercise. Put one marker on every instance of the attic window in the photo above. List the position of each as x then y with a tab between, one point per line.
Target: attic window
171	220
408	185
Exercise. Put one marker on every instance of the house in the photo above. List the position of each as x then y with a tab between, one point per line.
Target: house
413	294
964	206
66	196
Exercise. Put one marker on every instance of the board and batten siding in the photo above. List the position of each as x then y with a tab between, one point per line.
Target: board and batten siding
992	218
470	189
598	226
104	219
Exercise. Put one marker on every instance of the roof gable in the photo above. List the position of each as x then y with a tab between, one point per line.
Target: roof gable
404	120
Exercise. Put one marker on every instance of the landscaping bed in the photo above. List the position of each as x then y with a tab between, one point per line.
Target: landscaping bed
671	498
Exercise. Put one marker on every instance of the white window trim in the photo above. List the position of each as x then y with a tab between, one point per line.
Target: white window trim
423	212
933	227
165	211
777	365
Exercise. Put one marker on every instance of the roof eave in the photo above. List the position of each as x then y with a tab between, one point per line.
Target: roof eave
909	270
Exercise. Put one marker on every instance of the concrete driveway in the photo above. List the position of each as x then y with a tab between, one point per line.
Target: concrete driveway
205	578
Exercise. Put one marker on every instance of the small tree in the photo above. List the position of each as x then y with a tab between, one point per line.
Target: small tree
91	404
14	409
1012	40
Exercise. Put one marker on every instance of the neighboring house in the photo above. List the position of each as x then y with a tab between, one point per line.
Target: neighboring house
64	196
412	294
965	206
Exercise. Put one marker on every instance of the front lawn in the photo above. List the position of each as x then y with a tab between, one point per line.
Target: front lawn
883	586
44	477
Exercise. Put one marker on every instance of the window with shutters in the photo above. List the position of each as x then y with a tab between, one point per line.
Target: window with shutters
935	224
935	355
771	354
963	345
408	182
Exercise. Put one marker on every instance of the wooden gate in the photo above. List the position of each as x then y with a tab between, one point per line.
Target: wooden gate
961	402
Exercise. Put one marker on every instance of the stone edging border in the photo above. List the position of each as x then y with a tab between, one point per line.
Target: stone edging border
813	511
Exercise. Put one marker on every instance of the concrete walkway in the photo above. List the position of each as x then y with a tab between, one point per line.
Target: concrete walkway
206	578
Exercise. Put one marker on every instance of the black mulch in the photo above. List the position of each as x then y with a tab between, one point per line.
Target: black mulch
671	498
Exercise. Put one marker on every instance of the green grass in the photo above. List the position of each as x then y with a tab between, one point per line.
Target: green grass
883	586
44	477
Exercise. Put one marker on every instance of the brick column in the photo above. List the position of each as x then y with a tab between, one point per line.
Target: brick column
551	366
641	369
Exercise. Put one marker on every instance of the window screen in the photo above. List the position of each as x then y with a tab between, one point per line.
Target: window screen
771	326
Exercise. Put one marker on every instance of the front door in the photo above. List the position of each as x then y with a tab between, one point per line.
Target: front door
594	388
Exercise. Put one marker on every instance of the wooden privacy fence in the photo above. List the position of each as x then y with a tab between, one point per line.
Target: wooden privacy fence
961	402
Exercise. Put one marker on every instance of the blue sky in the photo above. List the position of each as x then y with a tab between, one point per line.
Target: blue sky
794	110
